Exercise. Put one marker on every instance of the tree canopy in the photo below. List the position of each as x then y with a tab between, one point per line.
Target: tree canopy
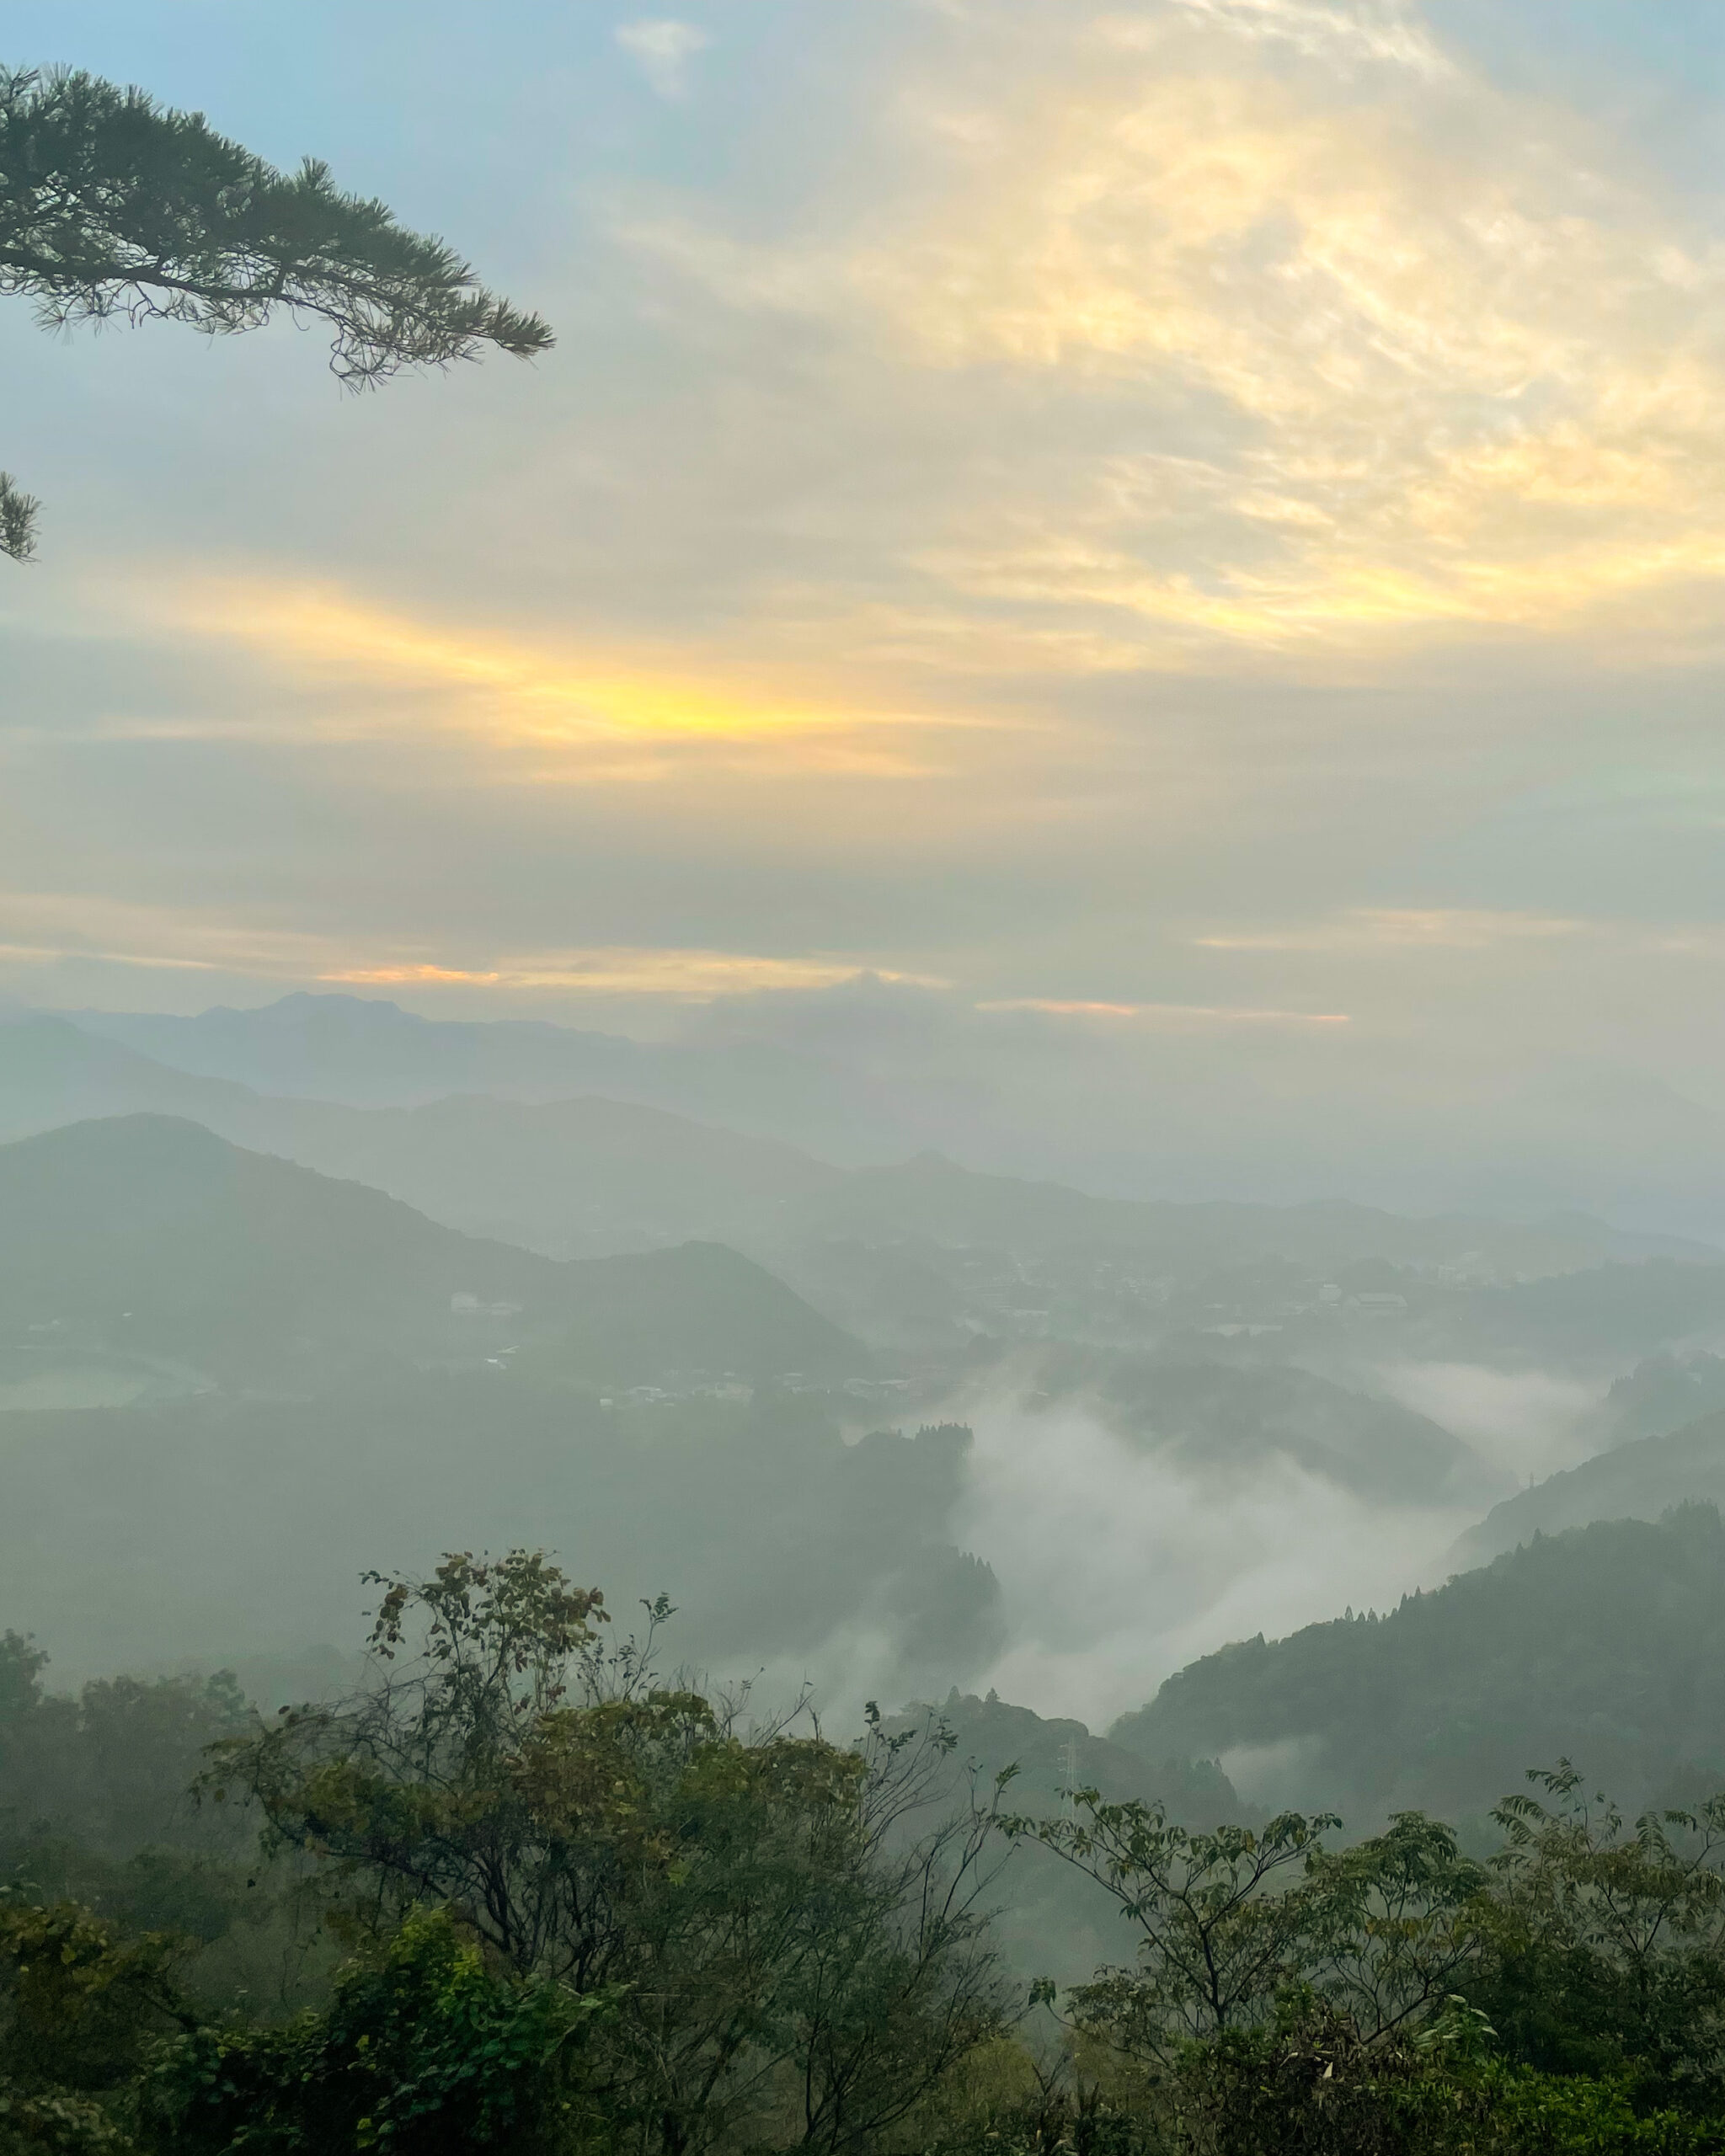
514	1893
112	206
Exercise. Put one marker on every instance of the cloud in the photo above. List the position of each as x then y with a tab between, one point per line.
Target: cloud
1117	1566
674	975
38	930
1175	1014
1401	928
1127	509
518	695
1341	361
1378	30
1532	1423
663	49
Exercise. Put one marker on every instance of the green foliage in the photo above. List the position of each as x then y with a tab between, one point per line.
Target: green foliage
1606	1945
110	205
1305	2085
1309	2086
79	2011
1385	1929
781	1944
112	1766
585	1910
423	2049
97	1809
18	520
1395	1995
1218	1945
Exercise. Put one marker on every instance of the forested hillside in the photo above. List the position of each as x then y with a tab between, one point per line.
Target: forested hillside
1604	1644
1636	1480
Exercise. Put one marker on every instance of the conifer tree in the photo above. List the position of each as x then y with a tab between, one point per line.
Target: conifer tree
114	207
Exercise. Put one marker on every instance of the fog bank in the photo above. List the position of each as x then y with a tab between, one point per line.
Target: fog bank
1117	1567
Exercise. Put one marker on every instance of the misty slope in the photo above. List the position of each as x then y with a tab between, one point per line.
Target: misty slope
1638	1481
53	1072
570	1177
1217	1416
149	1235
994	1734
1605	1645
220	1527
1664	1393
1595	1319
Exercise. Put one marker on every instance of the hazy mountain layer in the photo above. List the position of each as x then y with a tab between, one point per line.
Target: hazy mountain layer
1053	1922
148	1237
368	1053
220	1529
1219	1417
582	1176
1638	1481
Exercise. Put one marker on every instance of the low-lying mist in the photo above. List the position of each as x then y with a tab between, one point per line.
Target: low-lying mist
1117	1566
1063	1553
1119	1562
1530	1424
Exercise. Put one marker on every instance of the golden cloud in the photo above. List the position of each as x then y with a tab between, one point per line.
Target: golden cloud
578	714
43	927
633	971
1420	358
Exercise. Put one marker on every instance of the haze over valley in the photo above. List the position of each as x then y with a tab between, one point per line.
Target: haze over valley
883	1429
862	1079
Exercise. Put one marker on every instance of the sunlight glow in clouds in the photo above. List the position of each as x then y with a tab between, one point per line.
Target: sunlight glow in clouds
42	928
1199	522
696	974
511	692
1421	361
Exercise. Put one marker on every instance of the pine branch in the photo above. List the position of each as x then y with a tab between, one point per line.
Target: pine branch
112	208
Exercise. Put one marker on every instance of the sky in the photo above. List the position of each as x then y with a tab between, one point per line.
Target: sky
1184	540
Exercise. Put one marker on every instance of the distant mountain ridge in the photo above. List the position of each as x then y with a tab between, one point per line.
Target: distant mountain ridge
150	1233
365	1052
584	1175
533	1173
933	1196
